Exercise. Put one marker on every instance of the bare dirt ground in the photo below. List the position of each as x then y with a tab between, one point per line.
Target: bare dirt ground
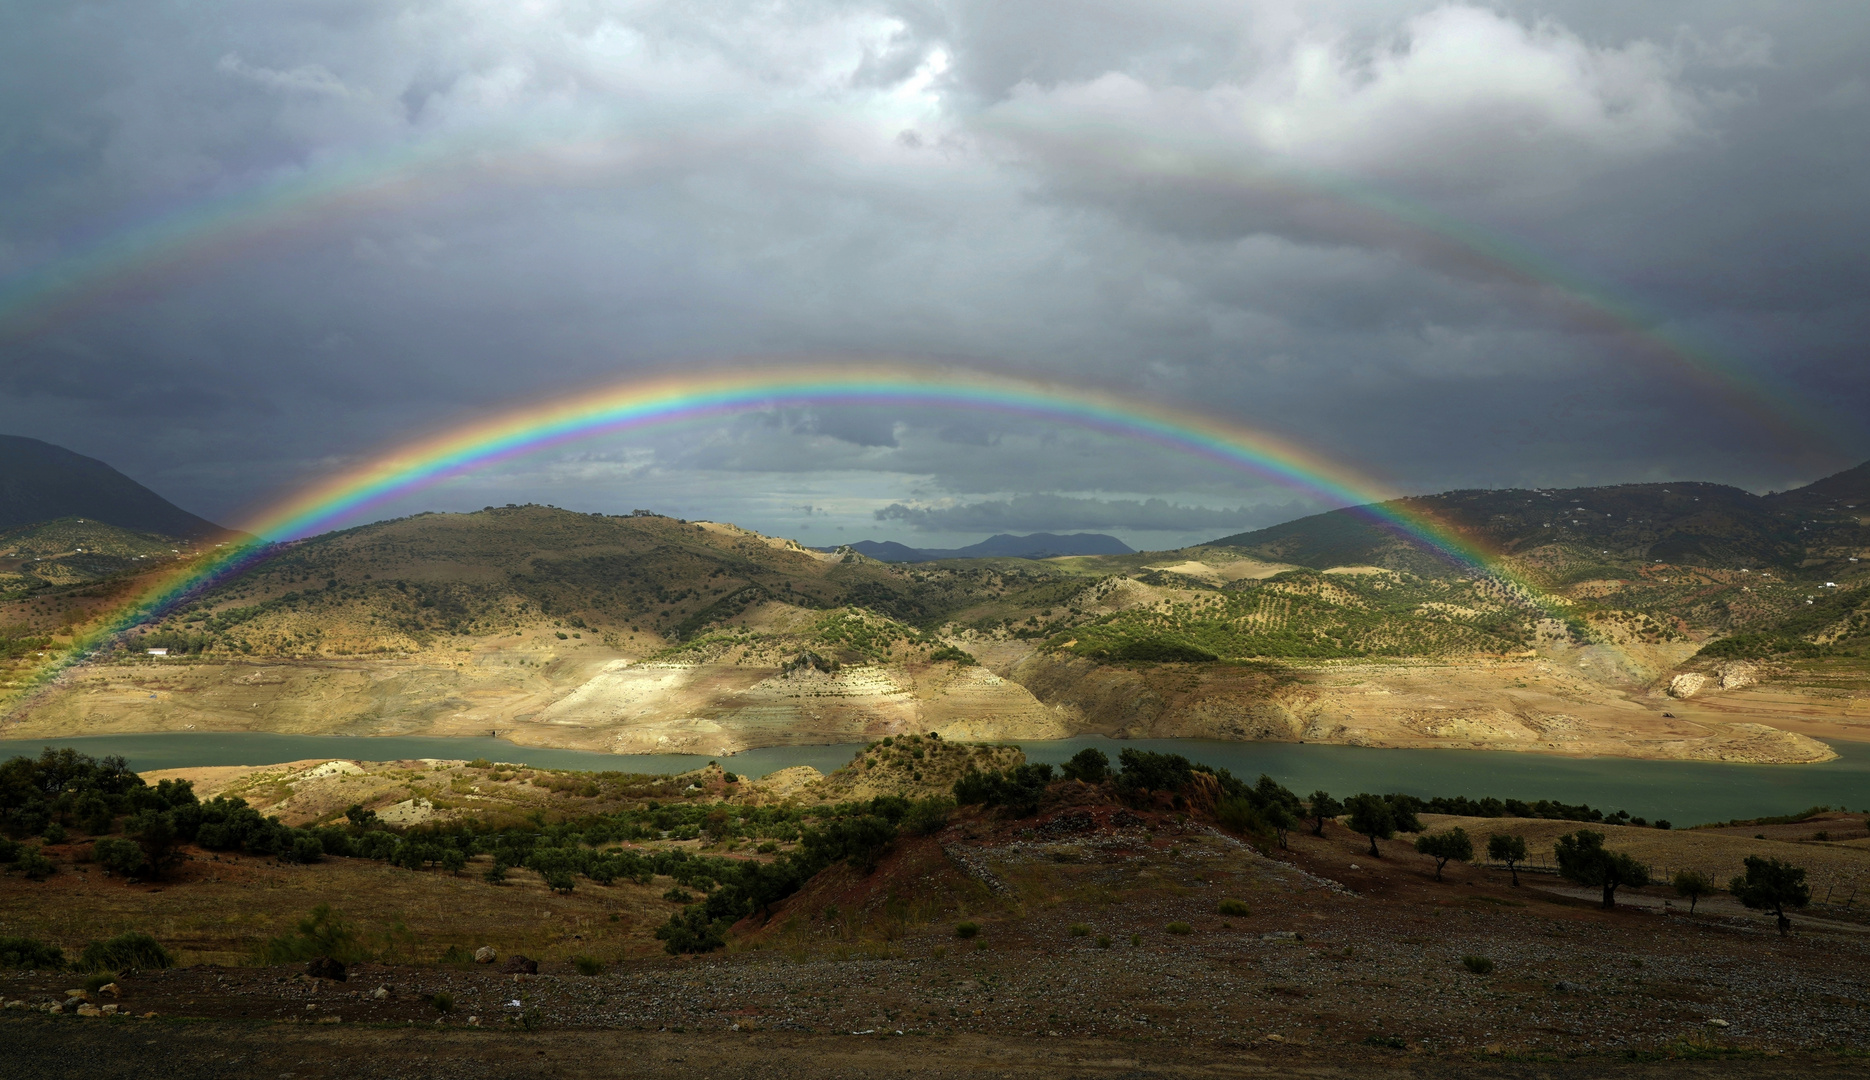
1081	967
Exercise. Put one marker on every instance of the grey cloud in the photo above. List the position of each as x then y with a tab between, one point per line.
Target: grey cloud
1443	262
1028	513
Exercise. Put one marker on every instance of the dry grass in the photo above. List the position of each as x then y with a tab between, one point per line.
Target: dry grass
218	912
1836	866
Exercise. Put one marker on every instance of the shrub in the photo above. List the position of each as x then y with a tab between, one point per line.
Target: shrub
495	874
457	955
119	856
1103	941
133	951
322	933
443	1001
1080	930
94	983
1090	765
588	965
1479	965
966	930
1136	939
9	850
767	847
950	654
25	952
928	816
33	863
1179	928
1235	908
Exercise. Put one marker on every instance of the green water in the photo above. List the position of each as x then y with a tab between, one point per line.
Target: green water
1685	793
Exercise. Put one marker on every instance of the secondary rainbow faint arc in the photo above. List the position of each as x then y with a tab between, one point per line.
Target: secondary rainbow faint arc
34	299
643	403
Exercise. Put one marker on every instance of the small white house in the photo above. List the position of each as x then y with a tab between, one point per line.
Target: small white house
158	652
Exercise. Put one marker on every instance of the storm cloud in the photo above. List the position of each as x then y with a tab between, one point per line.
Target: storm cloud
1441	244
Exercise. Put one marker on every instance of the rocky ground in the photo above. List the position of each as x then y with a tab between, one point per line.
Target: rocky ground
1081	966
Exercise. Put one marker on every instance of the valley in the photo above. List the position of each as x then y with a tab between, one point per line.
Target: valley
646	634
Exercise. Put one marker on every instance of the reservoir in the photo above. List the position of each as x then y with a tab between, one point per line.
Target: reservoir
1683	792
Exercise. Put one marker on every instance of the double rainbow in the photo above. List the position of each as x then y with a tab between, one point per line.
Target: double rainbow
643	403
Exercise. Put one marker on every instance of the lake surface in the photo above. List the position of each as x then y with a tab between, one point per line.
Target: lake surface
1685	793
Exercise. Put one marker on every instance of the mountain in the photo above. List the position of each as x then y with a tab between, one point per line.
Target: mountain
1576	533
42	482
1001	546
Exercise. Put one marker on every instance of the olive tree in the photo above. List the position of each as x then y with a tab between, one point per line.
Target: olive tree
1583	858
1322	806
1774	886
1692	885
1453	844
1372	816
1509	849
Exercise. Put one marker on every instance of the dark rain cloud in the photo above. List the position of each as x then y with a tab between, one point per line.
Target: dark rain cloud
1034	513
1443	244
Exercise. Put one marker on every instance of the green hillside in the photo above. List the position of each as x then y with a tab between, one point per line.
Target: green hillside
1303	614
409	583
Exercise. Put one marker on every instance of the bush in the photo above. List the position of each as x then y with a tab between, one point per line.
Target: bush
119	856
443	1001
1479	965
1090	765
1103	941
1018	789
98	981
966	930
588	965
25	952
1235	908
950	654
1179	928
33	863
928	816
1080	930
134	951
322	933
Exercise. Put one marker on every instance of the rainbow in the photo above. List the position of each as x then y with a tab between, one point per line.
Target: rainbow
642	403
147	254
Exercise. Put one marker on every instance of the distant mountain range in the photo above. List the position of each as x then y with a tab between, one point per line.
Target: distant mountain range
1597	531
1002	546
40	482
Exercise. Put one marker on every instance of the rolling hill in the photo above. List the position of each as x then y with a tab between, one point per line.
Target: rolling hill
642	633
1568	535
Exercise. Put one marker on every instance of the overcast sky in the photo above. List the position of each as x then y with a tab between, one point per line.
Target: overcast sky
1449	245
